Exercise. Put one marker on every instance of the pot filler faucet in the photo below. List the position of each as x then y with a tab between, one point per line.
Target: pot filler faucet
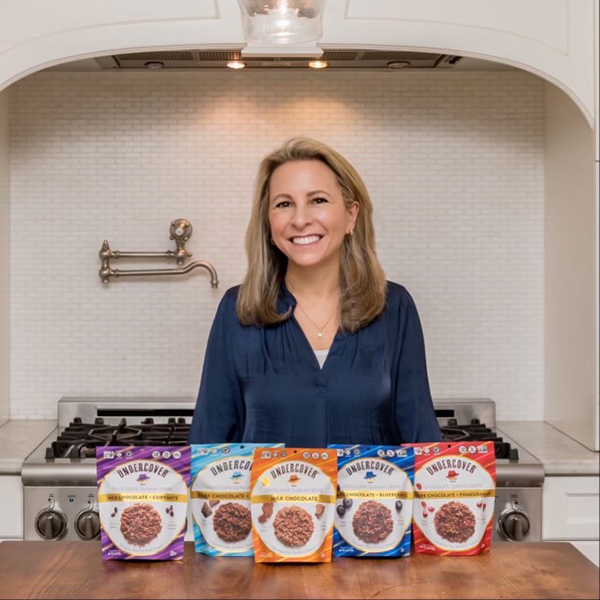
181	232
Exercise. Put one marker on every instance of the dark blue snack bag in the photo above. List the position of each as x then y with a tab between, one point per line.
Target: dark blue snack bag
374	501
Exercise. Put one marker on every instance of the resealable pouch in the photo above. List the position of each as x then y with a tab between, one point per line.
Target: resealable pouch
374	501
142	501
293	493
220	498
455	489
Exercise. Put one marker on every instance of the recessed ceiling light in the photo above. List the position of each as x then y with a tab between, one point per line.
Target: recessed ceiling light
318	64
398	64
236	64
154	64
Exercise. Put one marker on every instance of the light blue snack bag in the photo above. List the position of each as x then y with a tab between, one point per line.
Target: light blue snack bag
220	498
374	501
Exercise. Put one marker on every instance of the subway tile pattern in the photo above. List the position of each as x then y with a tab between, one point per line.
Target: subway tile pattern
453	162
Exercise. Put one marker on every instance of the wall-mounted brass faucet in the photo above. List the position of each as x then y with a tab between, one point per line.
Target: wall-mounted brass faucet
181	231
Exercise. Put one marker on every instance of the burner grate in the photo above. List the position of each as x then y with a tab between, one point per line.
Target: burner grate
478	432
80	440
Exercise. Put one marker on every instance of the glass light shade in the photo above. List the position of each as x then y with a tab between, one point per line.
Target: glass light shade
282	21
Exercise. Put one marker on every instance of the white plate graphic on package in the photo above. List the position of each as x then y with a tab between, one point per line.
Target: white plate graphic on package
373	485
207	527
228	491
441	532
399	525
137	517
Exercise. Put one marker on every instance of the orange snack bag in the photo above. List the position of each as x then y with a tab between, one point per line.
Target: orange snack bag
292	495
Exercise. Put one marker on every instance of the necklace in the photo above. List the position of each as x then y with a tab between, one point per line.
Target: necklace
319	329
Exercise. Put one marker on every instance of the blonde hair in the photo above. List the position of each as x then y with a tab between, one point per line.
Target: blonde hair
362	280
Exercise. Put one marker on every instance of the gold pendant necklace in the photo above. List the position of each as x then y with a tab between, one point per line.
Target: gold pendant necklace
319	329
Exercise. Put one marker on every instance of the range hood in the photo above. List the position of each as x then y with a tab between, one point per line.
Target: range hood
337	59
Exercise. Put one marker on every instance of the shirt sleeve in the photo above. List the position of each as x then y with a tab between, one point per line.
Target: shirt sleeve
415	415
219	415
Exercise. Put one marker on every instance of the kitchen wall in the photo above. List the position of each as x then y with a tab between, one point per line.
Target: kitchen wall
4	253
454	163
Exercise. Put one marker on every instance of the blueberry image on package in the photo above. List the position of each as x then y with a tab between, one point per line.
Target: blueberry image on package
374	501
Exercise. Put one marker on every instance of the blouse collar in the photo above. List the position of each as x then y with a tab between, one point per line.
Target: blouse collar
285	300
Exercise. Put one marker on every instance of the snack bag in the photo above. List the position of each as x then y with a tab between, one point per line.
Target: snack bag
220	498
142	499
374	501
455	488
292	492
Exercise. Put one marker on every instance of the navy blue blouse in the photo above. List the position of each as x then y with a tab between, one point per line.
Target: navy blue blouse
264	384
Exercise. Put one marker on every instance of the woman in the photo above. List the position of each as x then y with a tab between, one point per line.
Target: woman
315	347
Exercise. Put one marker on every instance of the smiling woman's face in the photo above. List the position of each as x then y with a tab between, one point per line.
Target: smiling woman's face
307	213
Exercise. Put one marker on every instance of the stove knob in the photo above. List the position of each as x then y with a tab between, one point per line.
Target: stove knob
51	524
87	524
514	525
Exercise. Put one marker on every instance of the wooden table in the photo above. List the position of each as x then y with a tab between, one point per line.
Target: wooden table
76	570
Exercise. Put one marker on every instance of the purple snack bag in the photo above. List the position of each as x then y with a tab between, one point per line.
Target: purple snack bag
142	499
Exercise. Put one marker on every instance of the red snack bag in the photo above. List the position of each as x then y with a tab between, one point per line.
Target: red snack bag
455	488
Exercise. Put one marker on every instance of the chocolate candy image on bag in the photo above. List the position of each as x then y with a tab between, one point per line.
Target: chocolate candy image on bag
142	499
220	498
455	488
374	501
292	492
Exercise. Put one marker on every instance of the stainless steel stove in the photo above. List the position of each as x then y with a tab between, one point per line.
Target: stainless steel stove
59	477
520	476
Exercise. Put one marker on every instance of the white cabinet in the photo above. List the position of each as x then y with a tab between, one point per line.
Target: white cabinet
11	507
571	271
4	251
571	512
597	78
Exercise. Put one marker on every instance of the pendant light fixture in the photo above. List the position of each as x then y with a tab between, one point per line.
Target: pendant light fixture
280	27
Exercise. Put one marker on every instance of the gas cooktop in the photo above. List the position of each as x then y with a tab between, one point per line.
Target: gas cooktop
59	477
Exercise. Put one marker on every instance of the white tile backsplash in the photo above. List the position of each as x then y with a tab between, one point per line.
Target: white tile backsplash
454	163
